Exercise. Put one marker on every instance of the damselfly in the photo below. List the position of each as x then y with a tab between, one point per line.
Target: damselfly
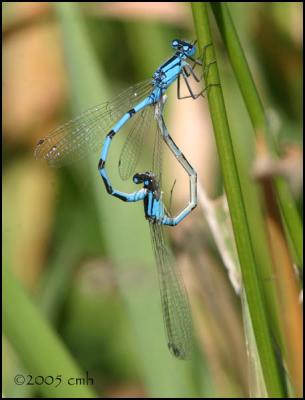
84	134
175	305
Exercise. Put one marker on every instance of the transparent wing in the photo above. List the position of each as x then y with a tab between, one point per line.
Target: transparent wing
85	133
132	148
175	306
157	163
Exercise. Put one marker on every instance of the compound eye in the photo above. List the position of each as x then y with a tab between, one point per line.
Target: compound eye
137	178
185	48
175	43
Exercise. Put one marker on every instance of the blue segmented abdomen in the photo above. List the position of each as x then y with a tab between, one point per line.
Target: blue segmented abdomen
105	147
122	121
169	221
116	128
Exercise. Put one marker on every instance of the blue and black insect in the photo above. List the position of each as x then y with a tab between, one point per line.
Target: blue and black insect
84	134
175	306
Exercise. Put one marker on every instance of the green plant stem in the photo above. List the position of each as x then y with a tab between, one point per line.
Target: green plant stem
251	192
39	348
237	208
256	112
239	65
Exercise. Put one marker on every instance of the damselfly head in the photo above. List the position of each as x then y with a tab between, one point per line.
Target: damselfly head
143	177
186	48
148	179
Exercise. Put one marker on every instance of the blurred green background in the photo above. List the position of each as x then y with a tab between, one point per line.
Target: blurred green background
83	258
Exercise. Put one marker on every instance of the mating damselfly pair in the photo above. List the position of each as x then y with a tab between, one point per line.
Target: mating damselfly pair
140	106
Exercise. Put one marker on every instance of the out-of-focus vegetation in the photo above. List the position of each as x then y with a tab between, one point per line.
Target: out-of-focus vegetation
80	287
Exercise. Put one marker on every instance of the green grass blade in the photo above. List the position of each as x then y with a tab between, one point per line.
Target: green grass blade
39	348
237	208
239	65
256	112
